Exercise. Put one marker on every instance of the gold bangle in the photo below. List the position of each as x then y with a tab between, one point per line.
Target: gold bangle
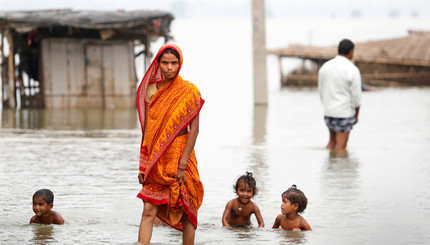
179	167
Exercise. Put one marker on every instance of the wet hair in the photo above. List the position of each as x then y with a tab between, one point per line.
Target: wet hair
345	46
295	195
248	180
168	51
45	194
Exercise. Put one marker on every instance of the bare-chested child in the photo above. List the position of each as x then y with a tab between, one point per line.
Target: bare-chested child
238	211
294	202
43	201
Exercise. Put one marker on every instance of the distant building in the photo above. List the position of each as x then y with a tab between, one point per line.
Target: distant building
75	59
400	61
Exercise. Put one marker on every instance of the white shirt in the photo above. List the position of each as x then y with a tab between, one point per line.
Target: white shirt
339	86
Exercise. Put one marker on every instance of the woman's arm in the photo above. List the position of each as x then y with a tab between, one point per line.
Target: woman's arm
189	146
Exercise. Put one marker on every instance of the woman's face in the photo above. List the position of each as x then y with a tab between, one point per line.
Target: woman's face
169	66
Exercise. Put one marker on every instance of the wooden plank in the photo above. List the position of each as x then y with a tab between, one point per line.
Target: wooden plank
76	74
4	78
108	75
94	76
122	79
396	75
59	74
131	99
46	73
132	72
380	79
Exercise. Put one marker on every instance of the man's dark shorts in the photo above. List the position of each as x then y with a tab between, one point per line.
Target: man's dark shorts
340	124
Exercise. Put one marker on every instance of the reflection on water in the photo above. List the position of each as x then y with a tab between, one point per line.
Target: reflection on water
342	190
340	171
258	154
293	237
259	125
43	234
334	154
69	119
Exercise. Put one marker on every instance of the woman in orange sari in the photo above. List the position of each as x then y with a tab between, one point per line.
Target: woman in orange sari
169	109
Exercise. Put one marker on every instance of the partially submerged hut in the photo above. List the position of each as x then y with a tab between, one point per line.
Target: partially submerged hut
75	59
393	62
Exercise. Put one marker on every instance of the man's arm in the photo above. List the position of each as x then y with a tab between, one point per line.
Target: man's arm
356	114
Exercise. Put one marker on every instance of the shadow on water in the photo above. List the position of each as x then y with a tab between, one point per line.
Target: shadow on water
69	119
43	234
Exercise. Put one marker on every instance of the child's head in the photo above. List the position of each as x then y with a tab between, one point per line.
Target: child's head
248	181
44	194
295	196
43	202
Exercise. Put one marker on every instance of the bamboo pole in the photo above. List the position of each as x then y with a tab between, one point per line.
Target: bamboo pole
3	72
147	58
12	99
259	52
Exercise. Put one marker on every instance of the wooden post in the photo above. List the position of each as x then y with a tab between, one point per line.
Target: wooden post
281	70
147	55
12	100
3	72
259	52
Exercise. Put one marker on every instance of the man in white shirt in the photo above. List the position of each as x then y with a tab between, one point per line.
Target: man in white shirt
339	86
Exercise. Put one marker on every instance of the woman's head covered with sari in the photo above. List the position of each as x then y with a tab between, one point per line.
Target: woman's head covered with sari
154	75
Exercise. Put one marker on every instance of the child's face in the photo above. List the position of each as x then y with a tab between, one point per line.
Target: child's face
41	207
244	192
287	207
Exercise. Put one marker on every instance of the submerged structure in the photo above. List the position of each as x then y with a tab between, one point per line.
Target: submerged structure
401	61
75	59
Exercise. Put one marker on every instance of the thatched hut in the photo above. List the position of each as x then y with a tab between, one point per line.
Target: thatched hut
75	59
393	62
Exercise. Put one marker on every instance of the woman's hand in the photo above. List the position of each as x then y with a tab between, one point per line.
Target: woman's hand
141	176
180	176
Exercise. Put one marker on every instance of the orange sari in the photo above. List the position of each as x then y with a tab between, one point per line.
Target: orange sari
170	110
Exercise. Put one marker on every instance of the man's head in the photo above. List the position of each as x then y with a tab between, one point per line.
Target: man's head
346	48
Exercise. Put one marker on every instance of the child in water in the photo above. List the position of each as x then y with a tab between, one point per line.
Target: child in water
43	201
294	202
238	211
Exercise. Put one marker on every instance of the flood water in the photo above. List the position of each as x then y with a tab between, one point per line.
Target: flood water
376	194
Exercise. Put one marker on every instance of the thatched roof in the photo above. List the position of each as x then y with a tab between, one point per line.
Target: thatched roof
139	22
410	50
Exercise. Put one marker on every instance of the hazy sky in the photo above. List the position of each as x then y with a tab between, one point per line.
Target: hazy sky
241	8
